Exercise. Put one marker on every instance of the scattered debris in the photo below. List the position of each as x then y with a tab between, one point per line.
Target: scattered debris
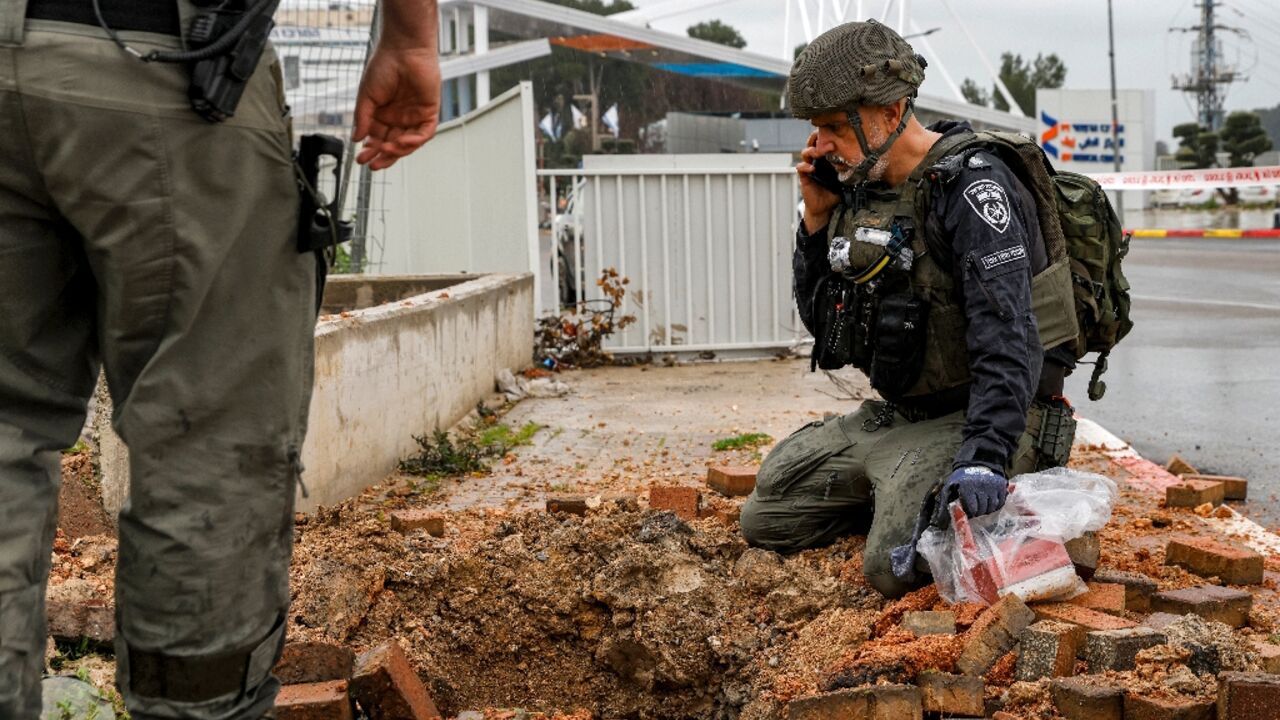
1193	493
1233	488
1210	558
731	481
576	339
406	521
518	388
1211	602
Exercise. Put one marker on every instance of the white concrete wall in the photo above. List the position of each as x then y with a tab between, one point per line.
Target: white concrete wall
406	368
466	201
383	375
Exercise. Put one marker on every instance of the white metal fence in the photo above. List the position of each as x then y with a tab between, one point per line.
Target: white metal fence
707	252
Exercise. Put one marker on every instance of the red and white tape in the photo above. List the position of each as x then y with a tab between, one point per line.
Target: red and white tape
1189	179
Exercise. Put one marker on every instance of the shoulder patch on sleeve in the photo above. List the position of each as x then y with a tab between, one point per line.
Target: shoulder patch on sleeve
991	203
990	261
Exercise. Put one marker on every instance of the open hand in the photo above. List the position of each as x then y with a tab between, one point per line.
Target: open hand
398	105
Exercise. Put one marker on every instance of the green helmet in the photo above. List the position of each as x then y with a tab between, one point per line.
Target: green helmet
858	63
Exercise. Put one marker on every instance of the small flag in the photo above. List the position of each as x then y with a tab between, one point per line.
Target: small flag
579	120
610	119
548	126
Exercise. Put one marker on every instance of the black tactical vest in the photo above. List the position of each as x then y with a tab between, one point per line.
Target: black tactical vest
906	328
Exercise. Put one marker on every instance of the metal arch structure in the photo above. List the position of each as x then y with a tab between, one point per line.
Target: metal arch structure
631	40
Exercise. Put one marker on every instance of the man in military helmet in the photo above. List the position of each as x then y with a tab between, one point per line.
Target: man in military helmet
914	263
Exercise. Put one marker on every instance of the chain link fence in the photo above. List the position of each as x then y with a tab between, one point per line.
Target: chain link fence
323	46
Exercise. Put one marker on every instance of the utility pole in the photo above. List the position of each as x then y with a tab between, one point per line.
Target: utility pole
595	131
1115	111
1209	76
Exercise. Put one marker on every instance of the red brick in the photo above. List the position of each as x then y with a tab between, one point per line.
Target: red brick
929	622
314	662
1233	488
1118	649
1248	696
1193	493
314	701
1176	708
406	521
1208	558
1084	619
854	704
571	505
1177	465
1138	588
1082	698
387	688
1084	552
1225	605
1268	656
683	501
75	616
875	702
1160	620
994	633
1047	649
1103	597
732	481
727	516
953	695
896	702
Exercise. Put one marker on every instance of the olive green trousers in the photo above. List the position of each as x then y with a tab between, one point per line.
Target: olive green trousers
814	486
137	237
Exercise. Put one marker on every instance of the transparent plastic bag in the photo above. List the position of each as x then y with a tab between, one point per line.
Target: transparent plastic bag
1019	549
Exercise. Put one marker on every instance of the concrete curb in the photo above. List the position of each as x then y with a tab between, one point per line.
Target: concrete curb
1151	478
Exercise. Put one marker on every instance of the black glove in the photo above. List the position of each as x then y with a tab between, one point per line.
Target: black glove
981	491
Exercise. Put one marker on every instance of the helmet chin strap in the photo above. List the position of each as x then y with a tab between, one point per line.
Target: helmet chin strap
871	157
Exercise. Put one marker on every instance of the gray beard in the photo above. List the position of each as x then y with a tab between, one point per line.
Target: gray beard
875	139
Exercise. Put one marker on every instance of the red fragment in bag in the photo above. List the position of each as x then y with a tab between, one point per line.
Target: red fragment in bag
1032	568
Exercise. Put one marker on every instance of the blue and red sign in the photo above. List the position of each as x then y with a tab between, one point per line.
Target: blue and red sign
1079	142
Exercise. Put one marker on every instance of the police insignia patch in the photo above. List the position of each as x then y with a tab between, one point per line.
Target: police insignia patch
989	201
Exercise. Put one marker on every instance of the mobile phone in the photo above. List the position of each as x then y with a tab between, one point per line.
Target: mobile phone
824	173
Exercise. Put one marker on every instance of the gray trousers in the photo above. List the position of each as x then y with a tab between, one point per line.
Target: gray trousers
138	237
813	486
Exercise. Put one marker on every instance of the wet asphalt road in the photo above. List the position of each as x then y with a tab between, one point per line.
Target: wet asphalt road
1200	373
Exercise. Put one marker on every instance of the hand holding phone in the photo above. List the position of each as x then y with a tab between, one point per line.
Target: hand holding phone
819	185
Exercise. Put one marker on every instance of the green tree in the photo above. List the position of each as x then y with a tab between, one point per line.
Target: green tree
1023	78
1244	137
974	94
718	32
1197	147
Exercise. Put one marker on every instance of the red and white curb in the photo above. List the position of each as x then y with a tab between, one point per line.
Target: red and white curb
1149	477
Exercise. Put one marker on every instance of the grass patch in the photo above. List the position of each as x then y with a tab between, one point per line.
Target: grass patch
76	449
741	442
503	437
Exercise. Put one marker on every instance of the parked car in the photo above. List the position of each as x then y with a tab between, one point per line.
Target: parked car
1196	197
1258	195
1166	198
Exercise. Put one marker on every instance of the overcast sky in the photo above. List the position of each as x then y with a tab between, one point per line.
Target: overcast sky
1147	54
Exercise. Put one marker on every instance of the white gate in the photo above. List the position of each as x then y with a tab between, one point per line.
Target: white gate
707	250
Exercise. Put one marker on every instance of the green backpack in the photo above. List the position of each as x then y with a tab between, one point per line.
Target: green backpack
1076	220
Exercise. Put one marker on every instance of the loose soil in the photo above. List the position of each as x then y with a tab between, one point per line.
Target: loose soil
630	612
